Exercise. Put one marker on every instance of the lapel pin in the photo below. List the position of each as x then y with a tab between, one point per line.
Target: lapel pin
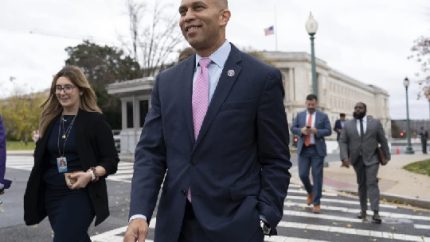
230	73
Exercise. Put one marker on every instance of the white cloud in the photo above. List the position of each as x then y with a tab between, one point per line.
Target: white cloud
367	40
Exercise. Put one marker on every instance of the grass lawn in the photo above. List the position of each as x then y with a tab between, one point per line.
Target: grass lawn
19	145
420	167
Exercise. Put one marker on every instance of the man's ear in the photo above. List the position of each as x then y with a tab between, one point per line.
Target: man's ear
224	17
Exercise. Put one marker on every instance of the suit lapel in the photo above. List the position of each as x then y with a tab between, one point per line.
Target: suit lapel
303	119
369	127
222	90
187	92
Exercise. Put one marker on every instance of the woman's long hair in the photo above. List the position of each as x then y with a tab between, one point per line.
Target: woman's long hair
51	108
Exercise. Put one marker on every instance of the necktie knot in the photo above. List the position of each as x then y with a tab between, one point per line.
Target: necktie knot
204	62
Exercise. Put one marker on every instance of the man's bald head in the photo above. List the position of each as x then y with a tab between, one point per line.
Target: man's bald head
223	3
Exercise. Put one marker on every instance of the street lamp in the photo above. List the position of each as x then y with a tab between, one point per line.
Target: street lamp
312	27
409	149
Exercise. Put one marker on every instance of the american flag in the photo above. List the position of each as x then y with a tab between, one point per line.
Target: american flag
269	30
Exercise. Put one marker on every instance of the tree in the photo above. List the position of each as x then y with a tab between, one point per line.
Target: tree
21	115
153	41
103	65
421	54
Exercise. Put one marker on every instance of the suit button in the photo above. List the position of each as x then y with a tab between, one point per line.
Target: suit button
184	192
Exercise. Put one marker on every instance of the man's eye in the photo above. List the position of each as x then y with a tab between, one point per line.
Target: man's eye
182	12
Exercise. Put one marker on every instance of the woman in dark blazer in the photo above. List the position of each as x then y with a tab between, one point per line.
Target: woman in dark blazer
74	155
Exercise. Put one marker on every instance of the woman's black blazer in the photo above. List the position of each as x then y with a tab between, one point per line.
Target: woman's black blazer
95	146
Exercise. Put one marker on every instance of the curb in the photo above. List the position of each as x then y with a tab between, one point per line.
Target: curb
395	199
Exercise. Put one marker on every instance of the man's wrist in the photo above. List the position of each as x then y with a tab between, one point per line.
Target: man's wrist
138	216
265	227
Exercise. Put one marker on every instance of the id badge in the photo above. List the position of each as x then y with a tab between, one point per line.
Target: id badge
62	164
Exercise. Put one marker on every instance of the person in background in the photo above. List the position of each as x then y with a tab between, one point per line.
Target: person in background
185	53
217	135
4	183
311	126
73	156
338	125
358	142
423	136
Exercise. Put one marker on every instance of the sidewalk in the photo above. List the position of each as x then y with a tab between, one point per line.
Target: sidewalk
19	152
396	184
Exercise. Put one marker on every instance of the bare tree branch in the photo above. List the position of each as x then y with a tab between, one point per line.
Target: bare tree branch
153	41
421	54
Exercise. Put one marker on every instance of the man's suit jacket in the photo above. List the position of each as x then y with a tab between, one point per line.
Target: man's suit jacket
322	124
337	128
351	144
237	169
95	146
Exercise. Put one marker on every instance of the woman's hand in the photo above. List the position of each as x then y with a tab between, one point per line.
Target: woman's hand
79	179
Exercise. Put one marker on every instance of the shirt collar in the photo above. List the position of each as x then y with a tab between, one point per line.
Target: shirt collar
219	57
364	118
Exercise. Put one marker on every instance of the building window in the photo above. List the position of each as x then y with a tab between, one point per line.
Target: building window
143	110
129	107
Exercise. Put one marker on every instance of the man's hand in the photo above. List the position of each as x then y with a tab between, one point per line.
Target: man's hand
345	163
314	131
305	131
137	230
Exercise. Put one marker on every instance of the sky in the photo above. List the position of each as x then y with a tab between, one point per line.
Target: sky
368	40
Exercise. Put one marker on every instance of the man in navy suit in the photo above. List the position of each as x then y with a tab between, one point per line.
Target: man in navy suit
227	181
311	126
338	125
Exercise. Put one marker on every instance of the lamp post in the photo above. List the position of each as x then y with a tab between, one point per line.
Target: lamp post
409	149
311	28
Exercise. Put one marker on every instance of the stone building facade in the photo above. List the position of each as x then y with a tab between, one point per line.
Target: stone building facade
337	93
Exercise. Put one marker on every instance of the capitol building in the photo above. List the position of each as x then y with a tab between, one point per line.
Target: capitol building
337	93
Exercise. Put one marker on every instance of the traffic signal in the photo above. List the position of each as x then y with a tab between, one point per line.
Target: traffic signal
402	134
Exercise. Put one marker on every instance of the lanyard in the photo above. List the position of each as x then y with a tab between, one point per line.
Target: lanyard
65	135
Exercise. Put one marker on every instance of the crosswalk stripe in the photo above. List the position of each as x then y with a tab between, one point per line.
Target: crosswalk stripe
337	201
360	232
109	234
422	226
279	238
121	176
321	216
356	211
300	191
123	172
112	235
112	178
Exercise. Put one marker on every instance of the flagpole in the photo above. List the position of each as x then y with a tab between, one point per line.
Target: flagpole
276	29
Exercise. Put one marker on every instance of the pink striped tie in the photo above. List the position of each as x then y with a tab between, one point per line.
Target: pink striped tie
201	95
200	100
